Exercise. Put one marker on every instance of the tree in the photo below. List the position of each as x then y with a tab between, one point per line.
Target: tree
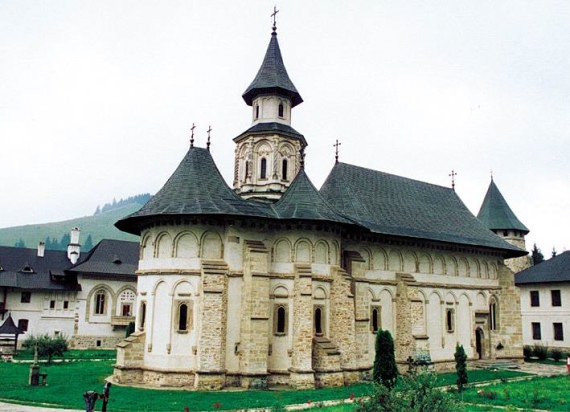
461	366
413	393
537	256
385	371
48	346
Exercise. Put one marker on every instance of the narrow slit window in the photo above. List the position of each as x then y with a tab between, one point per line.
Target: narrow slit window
183	317
450	320
142	315
318	321
375	320
280	110
263	174
257	111
281	321
284	165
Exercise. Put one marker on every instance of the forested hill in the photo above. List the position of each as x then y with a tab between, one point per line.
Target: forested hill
93	228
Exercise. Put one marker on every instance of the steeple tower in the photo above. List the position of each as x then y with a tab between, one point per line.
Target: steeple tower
268	154
496	214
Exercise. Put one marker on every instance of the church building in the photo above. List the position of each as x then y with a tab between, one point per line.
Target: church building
275	282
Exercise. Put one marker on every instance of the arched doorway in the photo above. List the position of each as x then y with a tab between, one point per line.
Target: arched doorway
479	338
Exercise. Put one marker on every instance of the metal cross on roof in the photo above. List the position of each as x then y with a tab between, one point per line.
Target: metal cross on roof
208	142
336	145
453	174
192	136
491	174
274	15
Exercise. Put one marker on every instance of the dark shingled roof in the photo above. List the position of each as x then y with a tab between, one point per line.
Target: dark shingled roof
556	269
496	214
273	127
195	188
394	205
114	257
272	77
45	273
303	201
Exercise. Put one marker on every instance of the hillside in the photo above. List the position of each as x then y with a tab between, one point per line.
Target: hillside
99	226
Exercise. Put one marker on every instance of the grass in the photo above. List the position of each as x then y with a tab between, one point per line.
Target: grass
68	381
549	393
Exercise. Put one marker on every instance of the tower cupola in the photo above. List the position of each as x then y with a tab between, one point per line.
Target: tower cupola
267	155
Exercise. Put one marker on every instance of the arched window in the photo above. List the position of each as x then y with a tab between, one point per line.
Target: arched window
284	169
183	317
318	321
375	319
257	111
126	302
280	320
142	315
263	174
450	320
280	110
100	302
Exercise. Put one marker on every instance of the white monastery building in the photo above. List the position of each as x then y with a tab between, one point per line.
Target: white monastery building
276	282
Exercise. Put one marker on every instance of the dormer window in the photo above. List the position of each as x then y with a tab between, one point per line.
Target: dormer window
263	174
27	269
280	111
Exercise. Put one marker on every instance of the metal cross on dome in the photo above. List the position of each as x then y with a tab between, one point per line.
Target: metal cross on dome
274	15
208	142
192	136
336	145
452	175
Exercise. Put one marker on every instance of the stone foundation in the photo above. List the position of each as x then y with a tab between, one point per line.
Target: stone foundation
209	381
94	342
302	379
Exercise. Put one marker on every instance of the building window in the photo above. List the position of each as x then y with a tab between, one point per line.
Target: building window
318	321
100	302
52	304
26	297
536	335
284	169
375	322
280	320
184	318
263	174
257	111
534	298
65	304
142	315
558	332
450	320
556	299
126	302
23	325
280	111
493	316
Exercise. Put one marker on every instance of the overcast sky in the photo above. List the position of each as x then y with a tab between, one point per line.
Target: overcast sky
97	97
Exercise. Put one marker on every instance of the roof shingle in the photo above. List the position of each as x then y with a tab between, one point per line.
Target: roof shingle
496	214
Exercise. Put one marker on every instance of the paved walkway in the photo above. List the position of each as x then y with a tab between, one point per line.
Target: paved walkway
532	368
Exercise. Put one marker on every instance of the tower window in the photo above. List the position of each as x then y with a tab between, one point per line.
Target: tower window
257	111
284	165
263	174
280	110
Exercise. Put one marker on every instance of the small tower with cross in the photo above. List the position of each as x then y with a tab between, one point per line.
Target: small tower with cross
268	154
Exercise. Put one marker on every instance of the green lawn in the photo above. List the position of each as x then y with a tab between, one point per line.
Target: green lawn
72	354
68	381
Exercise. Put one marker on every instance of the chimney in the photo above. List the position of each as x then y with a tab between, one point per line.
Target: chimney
74	248
41	249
